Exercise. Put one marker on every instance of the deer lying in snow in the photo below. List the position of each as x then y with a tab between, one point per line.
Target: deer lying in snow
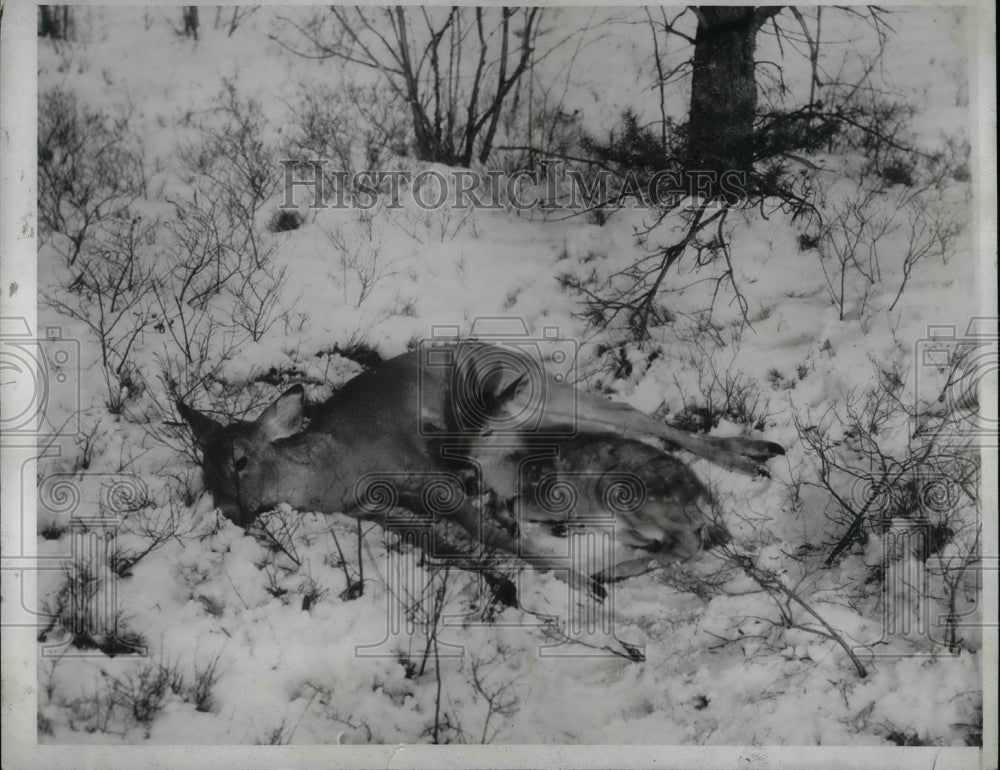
548	453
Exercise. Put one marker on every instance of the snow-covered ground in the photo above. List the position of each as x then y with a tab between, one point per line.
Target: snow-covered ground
270	635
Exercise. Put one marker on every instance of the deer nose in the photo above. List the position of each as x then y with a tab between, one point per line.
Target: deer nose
230	509
236	513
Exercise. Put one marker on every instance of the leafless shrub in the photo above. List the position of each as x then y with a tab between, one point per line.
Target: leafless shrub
276	530
542	129
284	221
850	248
279	735
348	128
239	168
323	695
274	586
793	591
89	169
877	126
218	250
788	600
91	712
361	257
857	238
206	676
256	297
440	224
87	441
492	683
137	696
215	246
240	14
141	694
80	608
147	529
217	285
632	296
930	233
53	529
453	69
917	489
182	378
185	487
205	249
726	392
199	259
312	591
425	610
112	293
353	579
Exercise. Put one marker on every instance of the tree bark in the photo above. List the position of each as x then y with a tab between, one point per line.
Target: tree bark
54	21
47	26
723	92
190	16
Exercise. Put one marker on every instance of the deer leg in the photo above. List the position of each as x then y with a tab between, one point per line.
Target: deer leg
502	511
497	539
627	569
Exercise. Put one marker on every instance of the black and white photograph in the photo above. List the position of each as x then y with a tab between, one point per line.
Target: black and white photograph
499	386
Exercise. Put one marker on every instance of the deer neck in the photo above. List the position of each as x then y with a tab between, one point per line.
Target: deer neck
310	475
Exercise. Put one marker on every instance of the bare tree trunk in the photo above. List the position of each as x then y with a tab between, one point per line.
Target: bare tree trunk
47	26
532	16
724	89
455	111
426	145
54	21
190	15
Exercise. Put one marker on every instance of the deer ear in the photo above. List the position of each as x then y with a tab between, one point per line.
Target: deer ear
501	385
514	389
283	417
202	426
491	384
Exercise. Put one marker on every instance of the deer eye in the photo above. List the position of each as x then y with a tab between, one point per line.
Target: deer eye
240	464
